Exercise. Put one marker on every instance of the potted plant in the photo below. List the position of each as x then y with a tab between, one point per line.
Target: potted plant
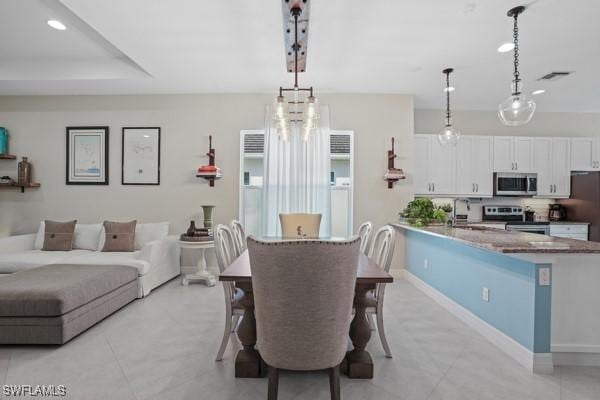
422	212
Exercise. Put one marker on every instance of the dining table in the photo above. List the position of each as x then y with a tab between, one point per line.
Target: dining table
357	364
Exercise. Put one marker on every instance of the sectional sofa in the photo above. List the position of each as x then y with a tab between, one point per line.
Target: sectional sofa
156	255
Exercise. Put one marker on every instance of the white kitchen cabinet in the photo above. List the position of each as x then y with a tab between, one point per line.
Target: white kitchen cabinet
421	164
569	231
585	154
513	154
474	175
551	161
435	167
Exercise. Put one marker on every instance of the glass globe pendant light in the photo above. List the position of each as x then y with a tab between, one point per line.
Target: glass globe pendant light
517	109
449	135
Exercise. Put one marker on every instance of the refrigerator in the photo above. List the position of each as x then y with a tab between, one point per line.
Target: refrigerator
584	203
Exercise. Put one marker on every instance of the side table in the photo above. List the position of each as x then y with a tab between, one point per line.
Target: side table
202	274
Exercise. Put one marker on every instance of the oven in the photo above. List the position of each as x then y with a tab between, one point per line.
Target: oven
511	184
539	228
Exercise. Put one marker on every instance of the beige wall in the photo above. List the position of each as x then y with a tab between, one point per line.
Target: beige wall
37	126
487	123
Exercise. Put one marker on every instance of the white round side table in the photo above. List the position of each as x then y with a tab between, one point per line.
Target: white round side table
202	274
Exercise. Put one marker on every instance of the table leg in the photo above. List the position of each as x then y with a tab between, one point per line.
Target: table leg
248	363
358	363
202	274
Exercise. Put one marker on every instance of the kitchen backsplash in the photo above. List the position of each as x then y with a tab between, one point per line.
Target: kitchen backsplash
539	206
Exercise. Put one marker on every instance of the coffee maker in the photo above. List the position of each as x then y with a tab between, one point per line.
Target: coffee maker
557	212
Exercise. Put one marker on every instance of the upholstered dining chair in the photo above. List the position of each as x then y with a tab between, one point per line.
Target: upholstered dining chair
303	293
364	233
300	225
239	235
381	252
226	252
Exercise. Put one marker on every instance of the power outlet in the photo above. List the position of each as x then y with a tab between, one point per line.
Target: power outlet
544	276
485	295
426	263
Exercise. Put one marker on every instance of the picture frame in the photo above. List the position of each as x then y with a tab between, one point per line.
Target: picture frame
140	156
87	155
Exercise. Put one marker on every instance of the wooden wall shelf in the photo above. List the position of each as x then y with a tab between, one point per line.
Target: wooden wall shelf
33	185
7	157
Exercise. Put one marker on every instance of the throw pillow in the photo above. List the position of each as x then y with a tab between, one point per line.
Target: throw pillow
149	232
86	236
119	236
39	238
58	236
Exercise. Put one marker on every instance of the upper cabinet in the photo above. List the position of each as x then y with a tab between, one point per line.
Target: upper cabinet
513	154
585	154
474	173
435	167
551	161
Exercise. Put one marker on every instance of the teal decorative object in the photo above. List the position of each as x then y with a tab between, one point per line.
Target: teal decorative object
3	141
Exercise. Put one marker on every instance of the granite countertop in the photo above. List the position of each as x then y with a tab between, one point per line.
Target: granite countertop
551	222
502	241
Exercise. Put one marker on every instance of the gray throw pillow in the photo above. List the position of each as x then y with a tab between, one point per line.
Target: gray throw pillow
58	236
119	236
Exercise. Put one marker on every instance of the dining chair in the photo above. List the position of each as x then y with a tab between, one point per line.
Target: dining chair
364	233
300	225
303	293
226	253
381	252
239	235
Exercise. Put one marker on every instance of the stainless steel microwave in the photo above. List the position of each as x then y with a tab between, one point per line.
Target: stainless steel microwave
511	184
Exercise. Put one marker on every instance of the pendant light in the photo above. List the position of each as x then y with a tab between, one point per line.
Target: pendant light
449	135
296	111
517	109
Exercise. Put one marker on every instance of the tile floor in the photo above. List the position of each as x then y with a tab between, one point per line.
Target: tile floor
163	347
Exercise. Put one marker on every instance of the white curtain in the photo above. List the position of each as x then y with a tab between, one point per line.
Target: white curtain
296	175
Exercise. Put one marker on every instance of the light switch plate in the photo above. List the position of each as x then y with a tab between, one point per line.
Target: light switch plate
485	295
544	276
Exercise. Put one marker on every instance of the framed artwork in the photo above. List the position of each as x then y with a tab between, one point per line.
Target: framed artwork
140	156
87	155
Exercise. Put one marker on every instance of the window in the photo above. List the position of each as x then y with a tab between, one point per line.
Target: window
251	181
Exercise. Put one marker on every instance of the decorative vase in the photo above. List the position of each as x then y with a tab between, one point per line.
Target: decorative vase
24	172
191	231
3	141
208	214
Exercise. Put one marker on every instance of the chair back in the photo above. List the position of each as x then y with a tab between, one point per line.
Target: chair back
303	293
225	247
364	233
239	235
300	225
382	252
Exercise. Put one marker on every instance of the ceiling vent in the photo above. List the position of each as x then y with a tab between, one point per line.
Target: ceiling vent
555	75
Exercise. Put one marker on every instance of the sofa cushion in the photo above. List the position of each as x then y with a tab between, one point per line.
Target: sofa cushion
119	236
13	262
55	290
129	258
58	236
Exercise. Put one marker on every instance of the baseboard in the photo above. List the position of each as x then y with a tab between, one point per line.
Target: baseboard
576	358
575	348
539	363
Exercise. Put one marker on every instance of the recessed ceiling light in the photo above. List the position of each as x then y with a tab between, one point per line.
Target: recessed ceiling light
506	47
539	91
449	89
57	24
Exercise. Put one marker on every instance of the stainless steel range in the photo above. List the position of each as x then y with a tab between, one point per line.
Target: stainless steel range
515	219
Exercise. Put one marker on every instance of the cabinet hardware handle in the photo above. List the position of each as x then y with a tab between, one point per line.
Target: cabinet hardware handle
433	186
473	187
516	166
477	187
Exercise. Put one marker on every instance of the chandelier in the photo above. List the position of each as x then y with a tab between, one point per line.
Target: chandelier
517	109
301	110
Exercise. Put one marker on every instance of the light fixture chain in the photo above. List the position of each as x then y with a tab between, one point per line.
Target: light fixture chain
448	99
516	74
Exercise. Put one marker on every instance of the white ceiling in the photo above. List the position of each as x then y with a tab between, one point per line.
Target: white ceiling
384	46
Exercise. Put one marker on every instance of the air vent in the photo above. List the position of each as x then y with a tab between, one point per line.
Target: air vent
552	76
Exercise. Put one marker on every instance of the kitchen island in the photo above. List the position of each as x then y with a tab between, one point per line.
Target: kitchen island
534	296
